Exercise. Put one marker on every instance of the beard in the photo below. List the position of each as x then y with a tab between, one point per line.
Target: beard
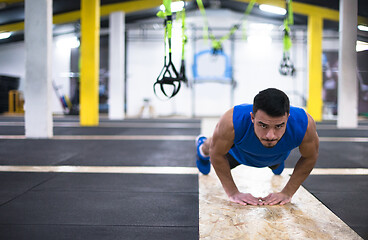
268	143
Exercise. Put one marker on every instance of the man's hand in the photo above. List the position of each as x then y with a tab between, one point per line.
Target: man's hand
276	198
244	199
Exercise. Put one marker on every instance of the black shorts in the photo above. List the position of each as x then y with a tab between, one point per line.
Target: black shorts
233	163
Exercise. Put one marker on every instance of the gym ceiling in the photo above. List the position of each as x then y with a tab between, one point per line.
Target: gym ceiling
68	11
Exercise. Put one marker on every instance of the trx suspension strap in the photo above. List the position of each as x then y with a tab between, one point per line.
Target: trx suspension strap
247	12
217	44
286	65
184	41
168	76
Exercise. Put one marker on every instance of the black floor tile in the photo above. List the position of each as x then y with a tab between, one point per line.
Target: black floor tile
342	133
11	118
125	131
97	153
361	230
145	183
337	155
15	184
351	209
338	183
149	200
361	122
12	130
346	196
105	119
102	208
19	130
79	232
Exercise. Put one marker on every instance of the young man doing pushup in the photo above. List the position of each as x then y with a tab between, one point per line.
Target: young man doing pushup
261	134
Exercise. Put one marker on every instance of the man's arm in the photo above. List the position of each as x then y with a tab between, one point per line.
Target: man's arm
309	154
222	141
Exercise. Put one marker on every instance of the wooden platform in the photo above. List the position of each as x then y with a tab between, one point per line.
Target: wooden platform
304	218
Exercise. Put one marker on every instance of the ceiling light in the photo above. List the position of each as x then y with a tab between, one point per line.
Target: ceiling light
5	35
272	9
67	42
361	46
363	28
175	6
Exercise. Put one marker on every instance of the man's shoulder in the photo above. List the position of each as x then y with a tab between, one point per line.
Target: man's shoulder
311	131
298	115
241	113
244	107
297	125
224	127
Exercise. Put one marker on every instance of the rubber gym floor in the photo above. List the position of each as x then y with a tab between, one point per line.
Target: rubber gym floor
136	179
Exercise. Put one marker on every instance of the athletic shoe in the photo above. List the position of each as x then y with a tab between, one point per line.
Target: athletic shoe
203	163
277	169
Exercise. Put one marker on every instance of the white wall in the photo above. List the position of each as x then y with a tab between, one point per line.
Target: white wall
144	63
60	72
12	62
255	68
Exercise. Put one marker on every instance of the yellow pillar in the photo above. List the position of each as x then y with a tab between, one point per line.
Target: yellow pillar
315	103
90	61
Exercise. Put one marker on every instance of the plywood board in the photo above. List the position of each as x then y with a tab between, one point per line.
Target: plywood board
304	218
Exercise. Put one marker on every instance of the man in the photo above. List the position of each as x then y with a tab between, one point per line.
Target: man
260	135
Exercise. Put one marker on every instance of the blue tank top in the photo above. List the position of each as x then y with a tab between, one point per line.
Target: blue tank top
247	148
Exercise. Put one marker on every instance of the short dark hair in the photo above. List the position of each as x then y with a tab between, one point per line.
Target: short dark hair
272	101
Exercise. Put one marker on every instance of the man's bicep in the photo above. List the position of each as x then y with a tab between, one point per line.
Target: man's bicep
220	144
310	144
309	149
223	137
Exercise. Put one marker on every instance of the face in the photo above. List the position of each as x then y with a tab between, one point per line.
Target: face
269	130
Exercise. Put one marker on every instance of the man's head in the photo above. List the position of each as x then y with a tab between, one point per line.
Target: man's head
271	109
